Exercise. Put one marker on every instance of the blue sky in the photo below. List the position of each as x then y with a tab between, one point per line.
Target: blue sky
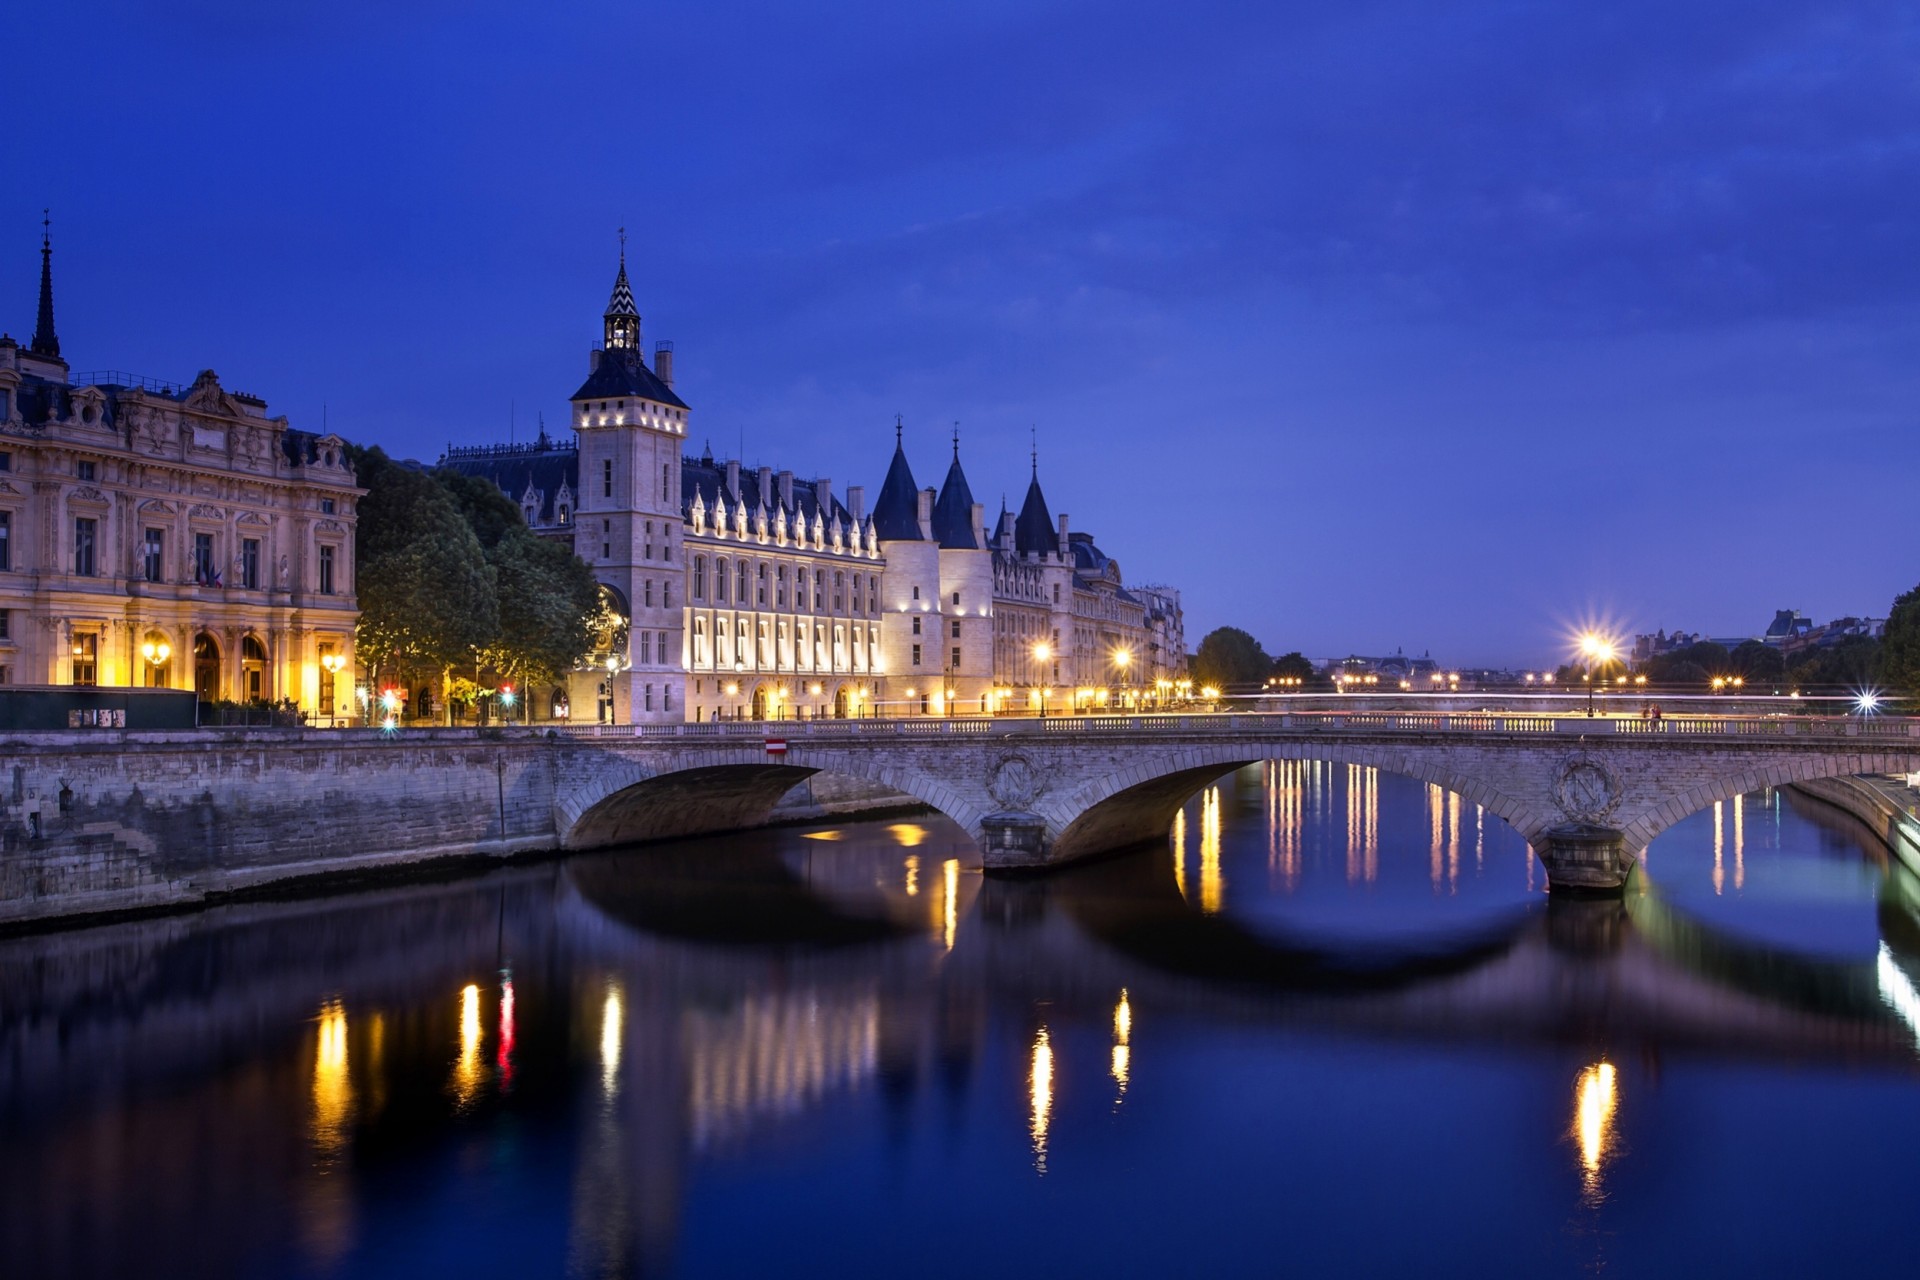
1369	325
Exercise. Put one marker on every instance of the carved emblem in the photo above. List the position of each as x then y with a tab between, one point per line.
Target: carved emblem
1014	783
1586	789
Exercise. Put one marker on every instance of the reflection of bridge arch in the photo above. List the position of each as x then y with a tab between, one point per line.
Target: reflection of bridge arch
725	788
1758	775
1143	798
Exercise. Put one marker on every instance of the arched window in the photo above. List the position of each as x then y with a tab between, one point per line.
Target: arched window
699	577
720	579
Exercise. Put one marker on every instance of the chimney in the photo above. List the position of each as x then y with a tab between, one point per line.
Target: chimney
593	360
786	490
663	362
1063	533
766	486
980	525
857	503
823	489
733	478
925	513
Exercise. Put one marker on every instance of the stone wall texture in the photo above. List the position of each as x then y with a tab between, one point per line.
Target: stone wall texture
109	821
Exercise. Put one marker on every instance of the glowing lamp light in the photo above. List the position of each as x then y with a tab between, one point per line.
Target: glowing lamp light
1867	702
156	653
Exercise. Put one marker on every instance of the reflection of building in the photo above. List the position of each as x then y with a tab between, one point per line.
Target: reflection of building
177	537
751	592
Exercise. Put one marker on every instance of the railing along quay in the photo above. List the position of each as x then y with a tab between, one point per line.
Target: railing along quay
1257	723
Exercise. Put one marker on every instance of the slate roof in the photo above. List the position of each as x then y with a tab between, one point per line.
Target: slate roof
622	373
953	510
709	479
1034	532
543	466
896	513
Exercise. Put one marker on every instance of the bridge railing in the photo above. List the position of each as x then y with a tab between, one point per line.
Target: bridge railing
1449	723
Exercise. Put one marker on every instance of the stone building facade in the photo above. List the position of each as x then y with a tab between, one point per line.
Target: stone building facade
166	536
750	592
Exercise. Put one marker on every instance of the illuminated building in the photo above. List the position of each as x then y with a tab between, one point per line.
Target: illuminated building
168	536
752	593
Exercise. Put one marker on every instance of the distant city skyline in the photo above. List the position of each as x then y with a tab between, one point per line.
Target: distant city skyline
1387	326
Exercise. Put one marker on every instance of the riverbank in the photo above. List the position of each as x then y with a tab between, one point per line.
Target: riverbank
1884	806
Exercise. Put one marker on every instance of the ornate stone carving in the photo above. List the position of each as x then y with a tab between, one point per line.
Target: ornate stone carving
205	512
158	507
1586	789
1014	783
87	493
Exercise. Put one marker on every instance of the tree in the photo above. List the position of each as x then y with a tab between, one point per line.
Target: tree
1293	666
1229	656
546	599
427	593
1696	664
1758	663
1900	650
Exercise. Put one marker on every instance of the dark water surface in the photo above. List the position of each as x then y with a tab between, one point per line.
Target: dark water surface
1336	1028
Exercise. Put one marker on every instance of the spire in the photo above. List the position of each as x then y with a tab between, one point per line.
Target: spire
1033	531
45	341
896	513
622	327
953	509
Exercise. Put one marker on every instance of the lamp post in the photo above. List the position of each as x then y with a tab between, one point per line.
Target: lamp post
331	663
156	652
1122	660
1598	650
1041	653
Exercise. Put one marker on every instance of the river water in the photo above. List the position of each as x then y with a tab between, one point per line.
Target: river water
1333	1027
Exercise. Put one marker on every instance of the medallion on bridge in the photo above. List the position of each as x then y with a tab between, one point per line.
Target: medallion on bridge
1014	783
1586	790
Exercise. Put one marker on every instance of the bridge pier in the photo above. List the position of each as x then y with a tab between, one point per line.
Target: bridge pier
1585	860
1012	841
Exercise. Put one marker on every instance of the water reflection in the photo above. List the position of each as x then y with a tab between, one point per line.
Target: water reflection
1040	1097
467	1068
693	1036
1596	1098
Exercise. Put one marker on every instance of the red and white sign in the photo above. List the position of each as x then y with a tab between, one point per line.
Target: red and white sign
776	746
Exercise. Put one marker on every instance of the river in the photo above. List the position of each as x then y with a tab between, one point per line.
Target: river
1333	1027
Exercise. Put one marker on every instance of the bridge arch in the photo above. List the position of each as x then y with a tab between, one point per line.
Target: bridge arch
1639	828
1138	802
615	799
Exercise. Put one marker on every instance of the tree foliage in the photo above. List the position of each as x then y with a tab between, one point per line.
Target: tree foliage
1900	650
1294	666
1757	663
1696	664
1229	656
451	581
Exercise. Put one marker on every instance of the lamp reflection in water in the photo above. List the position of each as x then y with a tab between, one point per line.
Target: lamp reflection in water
1180	850
1212	885
1040	1098
913	874
1122	1044
467	1069
611	1015
950	895
504	1060
328	1220
1596	1098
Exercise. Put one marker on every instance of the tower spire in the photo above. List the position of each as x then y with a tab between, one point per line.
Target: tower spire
45	341
898	427
621	329
956	442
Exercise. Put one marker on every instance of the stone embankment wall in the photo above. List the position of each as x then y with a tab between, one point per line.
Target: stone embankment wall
123	821
1872	803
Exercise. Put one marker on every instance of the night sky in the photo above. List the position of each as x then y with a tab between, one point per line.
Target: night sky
1367	325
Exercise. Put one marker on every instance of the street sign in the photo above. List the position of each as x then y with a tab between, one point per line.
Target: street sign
776	746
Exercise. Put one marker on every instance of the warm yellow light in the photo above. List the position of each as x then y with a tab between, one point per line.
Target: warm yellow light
950	886
908	835
611	1016
332	1086
733	690
815	690
913	875
466	1071
1123	1019
1212	883
1593	1120
1121	658
1209	692
1042	651
1040	1098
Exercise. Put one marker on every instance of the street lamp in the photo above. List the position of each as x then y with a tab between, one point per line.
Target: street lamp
1041	653
156	652
1122	660
1598	650
331	663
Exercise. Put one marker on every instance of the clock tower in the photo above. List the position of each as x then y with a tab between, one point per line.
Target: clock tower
631	428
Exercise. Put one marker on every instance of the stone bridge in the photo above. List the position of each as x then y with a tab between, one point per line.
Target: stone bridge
100	821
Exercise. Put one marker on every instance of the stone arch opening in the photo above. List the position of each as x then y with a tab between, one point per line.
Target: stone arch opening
1641	827
253	669
620	802
156	658
206	667
1139	804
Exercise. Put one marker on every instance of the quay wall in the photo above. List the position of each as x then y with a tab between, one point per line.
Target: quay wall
105	821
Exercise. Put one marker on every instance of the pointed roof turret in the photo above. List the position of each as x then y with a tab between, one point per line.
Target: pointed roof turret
1034	532
622	316
45	341
953	509
896	514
